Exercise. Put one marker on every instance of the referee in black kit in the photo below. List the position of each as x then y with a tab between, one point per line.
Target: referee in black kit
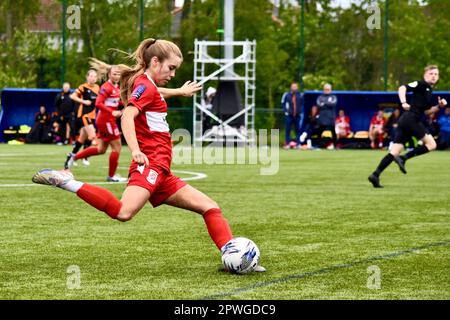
410	123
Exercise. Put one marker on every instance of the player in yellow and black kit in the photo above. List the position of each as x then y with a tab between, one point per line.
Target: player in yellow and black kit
85	95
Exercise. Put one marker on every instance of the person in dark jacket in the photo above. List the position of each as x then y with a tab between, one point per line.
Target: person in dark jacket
39	132
326	103
292	104
65	107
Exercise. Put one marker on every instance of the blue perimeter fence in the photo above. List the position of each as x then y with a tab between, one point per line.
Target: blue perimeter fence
19	106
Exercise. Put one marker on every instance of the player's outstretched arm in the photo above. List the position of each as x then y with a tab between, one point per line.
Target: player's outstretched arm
187	90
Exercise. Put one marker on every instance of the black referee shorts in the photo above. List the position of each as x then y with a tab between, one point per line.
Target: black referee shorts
409	125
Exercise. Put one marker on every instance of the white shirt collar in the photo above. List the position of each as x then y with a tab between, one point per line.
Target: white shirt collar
150	78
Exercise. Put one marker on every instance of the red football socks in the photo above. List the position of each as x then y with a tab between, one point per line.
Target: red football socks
218	227
91	151
101	199
113	163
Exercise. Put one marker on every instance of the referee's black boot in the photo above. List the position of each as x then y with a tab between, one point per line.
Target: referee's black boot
375	180
400	160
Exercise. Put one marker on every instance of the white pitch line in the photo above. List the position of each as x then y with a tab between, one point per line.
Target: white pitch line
27	154
196	176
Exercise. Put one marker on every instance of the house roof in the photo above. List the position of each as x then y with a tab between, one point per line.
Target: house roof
49	17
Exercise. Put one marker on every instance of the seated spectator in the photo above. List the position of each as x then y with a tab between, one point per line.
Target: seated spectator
376	129
444	132
57	134
39	132
431	124
392	124
342	126
311	127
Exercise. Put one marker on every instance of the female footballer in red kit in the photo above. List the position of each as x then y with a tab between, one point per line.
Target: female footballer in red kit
147	134
107	102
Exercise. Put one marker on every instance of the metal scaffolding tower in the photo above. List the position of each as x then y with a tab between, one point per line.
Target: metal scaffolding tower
224	71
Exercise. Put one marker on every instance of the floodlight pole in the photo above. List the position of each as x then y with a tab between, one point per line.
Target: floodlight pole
63	44
220	26
141	20
386	43
220	30
302	44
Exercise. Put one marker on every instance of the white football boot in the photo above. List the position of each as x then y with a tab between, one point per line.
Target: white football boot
55	178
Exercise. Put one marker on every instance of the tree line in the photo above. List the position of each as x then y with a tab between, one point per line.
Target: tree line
339	47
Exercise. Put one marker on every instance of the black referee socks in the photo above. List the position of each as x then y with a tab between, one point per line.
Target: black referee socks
384	163
417	151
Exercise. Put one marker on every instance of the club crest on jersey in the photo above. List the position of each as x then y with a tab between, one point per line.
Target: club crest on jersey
137	93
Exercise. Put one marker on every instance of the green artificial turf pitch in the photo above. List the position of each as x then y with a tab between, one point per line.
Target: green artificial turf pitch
320	226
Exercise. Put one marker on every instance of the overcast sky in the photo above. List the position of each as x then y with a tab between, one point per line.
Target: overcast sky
344	3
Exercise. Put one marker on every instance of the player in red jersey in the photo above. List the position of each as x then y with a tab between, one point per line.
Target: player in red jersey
376	129
342	125
107	102
147	134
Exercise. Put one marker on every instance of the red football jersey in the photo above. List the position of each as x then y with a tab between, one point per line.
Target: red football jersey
377	123
342	125
108	100
152	129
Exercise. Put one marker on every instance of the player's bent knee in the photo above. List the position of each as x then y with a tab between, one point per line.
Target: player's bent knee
431	146
125	215
209	206
124	218
395	153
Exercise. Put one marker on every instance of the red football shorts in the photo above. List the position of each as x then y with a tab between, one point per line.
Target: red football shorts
158	182
108	131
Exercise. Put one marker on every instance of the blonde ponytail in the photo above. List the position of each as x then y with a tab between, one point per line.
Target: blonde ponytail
103	69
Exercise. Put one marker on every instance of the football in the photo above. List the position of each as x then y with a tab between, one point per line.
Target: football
240	255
